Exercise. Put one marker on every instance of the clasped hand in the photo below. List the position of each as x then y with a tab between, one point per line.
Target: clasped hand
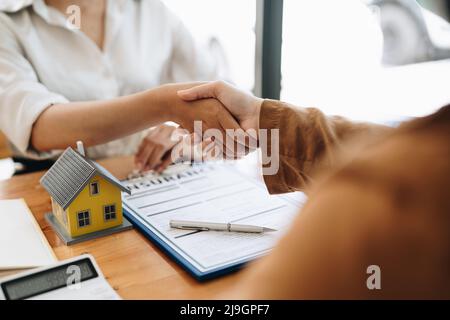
216	120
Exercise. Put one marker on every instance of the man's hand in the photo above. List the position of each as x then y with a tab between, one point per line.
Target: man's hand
211	112
155	148
243	106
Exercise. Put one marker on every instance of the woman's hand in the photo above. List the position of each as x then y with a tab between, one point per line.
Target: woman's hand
91	121
155	149
191	148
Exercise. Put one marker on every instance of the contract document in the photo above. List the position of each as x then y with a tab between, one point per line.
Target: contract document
210	193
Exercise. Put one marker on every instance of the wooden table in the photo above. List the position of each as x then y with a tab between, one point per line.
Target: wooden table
133	266
4	148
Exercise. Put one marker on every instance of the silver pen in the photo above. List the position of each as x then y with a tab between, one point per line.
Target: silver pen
217	226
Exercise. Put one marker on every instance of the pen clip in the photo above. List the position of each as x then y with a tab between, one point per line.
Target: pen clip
192	228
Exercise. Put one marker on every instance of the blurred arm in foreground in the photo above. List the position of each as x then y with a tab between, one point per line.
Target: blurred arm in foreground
379	197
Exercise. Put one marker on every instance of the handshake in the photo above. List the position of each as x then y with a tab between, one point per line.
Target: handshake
217	121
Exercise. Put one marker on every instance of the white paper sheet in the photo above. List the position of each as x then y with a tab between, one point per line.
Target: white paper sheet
22	243
211	193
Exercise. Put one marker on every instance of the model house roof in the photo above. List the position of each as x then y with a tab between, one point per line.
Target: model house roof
70	174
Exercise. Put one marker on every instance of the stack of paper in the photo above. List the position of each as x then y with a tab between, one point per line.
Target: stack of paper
22	243
209	193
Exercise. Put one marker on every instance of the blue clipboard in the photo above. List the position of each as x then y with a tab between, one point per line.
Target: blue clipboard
189	267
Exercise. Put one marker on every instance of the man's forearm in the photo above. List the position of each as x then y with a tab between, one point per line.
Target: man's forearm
307	139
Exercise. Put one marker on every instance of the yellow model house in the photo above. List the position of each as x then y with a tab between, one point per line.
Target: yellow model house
85	197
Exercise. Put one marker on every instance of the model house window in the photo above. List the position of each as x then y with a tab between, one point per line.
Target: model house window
84	219
94	188
109	212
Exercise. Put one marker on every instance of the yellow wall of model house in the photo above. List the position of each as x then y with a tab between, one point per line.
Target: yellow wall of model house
108	194
59	213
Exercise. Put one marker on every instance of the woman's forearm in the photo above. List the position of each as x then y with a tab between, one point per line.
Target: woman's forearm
97	122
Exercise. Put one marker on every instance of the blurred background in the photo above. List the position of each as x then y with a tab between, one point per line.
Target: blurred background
373	60
378	60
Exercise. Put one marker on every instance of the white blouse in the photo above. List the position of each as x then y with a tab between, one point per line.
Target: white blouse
44	62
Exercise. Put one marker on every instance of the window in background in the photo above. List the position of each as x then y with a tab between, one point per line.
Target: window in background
333	58
412	33
328	47
439	7
232	24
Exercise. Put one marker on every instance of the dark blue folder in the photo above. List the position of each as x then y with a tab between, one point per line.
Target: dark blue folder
189	267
